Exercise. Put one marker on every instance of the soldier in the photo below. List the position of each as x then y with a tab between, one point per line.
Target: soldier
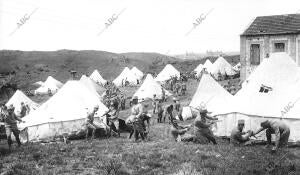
49	92
177	88
137	119
178	130
90	123
112	116
177	107
24	110
171	82
163	95
280	129
183	88
154	103
168	112
123	102
238	136
10	122
159	110
202	128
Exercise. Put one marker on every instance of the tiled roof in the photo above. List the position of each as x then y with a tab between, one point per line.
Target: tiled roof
277	24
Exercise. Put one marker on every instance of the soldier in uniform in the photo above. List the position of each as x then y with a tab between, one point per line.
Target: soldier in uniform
154	103
123	102
10	122
159	110
202	131
238	136
279	128
24	110
90	123
183	88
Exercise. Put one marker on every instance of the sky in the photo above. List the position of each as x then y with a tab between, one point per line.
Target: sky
163	26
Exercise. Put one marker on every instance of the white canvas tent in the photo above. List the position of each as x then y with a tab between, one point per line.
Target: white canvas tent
198	69
51	83
221	66
65	112
91	84
126	75
211	95
95	76
207	65
137	72
149	88
271	92
167	73
16	100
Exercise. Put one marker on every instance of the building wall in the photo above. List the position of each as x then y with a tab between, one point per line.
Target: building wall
292	47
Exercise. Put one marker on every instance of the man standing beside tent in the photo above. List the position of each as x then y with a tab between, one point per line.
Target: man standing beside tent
163	95
168	113
24	110
138	117
177	107
112	117
10	122
90	122
280	129
159	110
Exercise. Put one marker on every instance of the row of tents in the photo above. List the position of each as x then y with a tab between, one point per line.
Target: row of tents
129	77
219	67
52	85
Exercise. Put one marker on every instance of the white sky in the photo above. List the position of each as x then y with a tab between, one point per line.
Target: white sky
145	25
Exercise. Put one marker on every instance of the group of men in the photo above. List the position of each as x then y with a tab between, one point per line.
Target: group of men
10	119
176	86
277	127
167	111
135	122
203	133
201	126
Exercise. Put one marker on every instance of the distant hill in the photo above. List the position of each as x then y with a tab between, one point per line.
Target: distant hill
32	66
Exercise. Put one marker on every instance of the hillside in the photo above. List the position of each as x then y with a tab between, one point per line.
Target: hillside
32	66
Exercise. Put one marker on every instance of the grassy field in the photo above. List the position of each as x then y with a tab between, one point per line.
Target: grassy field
160	154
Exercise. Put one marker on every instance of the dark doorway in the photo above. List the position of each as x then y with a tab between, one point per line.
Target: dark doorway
255	54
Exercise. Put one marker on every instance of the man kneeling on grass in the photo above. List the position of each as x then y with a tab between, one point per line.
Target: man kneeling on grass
238	136
179	132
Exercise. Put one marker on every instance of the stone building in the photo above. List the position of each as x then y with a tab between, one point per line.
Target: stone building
268	34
